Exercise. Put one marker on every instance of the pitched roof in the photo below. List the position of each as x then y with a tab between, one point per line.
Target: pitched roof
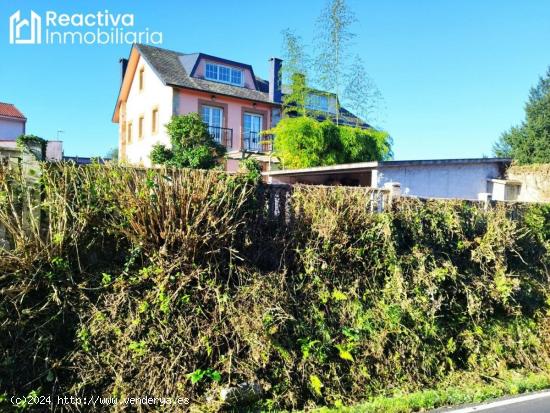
10	111
174	69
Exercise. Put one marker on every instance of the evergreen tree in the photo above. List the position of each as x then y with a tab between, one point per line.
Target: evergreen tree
530	142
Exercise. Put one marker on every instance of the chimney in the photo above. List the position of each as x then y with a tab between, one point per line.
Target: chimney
123	65
275	92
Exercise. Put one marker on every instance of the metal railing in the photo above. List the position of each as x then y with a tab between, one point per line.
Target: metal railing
223	136
257	142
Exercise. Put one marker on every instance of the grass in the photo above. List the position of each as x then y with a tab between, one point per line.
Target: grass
476	390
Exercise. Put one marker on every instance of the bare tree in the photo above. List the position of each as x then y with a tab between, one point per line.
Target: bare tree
333	40
361	94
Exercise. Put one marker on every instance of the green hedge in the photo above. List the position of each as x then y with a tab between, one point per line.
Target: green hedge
168	283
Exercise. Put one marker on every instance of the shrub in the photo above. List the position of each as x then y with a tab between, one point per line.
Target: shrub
175	282
191	144
305	142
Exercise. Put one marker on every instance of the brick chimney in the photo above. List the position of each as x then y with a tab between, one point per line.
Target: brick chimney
275	90
123	65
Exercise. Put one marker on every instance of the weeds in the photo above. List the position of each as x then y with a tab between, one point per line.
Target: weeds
170	283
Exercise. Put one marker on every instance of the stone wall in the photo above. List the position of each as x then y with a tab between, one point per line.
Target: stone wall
534	179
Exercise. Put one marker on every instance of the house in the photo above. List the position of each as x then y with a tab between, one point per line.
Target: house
12	124
235	103
440	178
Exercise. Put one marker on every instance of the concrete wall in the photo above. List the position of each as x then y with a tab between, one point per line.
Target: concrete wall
464	181
54	151
535	182
141	103
10	129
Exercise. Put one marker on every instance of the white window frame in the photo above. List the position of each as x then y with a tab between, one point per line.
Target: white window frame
217	78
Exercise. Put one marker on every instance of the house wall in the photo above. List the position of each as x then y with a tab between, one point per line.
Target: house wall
188	101
141	103
11	129
464	181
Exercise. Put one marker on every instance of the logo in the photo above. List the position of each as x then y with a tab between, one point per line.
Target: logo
33	28
98	28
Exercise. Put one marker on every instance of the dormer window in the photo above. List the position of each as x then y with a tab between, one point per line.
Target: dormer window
224	74
317	102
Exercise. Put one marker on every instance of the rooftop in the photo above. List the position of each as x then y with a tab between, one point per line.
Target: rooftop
9	110
353	167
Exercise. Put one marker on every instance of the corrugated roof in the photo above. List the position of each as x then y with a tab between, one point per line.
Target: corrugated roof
9	110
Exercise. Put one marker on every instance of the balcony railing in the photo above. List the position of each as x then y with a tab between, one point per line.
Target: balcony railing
256	142
223	136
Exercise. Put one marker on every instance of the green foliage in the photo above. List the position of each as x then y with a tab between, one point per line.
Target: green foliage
200	374
530	142
34	144
112	154
295	102
469	389
252	169
184	271
305	142
361	145
191	144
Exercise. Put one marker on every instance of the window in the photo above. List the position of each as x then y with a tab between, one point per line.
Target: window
224	74
129	131
236	77
252	131
140	127
154	120
213	117
317	102
141	73
211	71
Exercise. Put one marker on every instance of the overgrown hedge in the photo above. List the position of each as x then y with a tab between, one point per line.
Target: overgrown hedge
168	283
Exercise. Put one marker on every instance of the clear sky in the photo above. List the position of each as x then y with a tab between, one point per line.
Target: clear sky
454	74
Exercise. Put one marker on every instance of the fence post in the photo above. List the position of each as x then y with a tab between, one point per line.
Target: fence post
394	191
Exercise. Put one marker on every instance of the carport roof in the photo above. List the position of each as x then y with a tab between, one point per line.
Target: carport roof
364	166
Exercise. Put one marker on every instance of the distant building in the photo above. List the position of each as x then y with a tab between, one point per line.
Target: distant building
442	178
12	124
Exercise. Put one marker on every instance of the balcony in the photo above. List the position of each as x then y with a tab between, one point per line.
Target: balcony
256	142
223	136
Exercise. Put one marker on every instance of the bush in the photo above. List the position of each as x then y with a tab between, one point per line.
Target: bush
305	142
191	144
175	283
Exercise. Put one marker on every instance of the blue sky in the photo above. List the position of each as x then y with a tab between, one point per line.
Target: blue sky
454	74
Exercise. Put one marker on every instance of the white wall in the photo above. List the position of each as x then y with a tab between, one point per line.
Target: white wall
11	129
463	181
54	151
142	102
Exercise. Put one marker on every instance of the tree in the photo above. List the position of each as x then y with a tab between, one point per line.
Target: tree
192	145
530	141
112	154
361	96
295	72
305	142
333	39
